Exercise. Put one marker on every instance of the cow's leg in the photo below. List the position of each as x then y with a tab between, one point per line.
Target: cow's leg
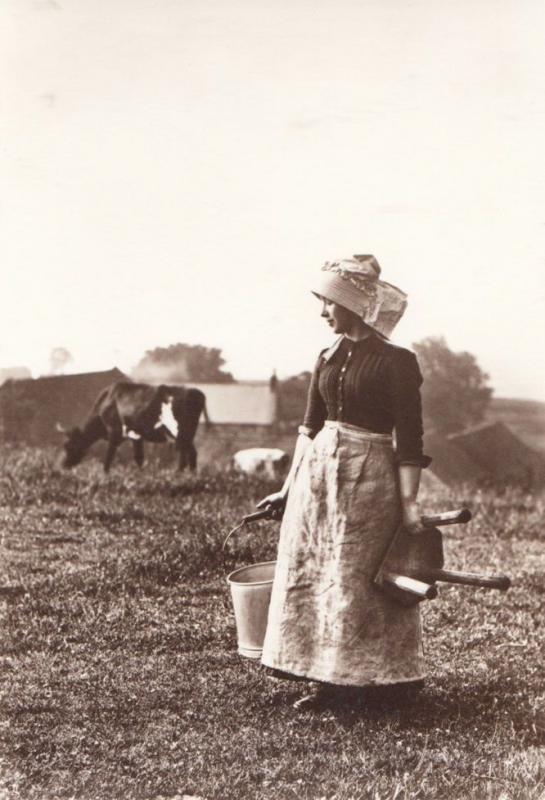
113	444
192	456
182	454
138	450
114	426
186	409
188	453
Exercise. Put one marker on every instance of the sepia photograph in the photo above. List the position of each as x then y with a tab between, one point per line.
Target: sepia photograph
272	400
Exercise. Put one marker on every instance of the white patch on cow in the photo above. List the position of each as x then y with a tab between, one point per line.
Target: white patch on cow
167	418
269	461
128	434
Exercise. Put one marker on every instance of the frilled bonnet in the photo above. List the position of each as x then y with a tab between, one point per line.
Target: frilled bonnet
355	284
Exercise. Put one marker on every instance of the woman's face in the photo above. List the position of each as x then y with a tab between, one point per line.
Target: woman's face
339	318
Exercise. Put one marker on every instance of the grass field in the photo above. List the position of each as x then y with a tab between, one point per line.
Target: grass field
120	677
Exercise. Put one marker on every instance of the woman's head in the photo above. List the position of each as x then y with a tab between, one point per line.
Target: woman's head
354	285
343	321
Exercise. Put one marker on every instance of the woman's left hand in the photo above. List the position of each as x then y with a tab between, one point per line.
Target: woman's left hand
412	517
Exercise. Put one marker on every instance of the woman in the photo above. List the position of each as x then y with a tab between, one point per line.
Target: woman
347	490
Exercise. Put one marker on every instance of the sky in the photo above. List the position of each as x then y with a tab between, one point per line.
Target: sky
179	170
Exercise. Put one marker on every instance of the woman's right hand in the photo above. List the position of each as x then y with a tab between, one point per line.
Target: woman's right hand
276	501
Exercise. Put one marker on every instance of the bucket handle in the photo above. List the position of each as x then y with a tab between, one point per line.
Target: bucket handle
266	513
231	532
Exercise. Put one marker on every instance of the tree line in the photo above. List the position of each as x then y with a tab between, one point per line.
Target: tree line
455	393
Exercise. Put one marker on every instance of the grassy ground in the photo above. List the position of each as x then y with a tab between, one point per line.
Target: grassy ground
120	675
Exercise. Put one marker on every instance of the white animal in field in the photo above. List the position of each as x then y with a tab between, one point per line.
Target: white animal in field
269	462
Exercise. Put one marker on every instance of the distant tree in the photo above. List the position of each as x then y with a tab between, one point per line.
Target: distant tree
59	358
180	363
455	393
292	397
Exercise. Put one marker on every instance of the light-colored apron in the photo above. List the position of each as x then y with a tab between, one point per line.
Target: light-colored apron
327	620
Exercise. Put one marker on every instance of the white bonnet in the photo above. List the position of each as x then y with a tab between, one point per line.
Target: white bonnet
354	283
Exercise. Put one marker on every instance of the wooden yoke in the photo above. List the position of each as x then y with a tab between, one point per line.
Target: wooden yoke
414	563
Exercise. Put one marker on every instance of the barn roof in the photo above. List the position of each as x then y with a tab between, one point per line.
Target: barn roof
14	373
65	381
244	403
30	408
496	449
68	398
450	462
488	453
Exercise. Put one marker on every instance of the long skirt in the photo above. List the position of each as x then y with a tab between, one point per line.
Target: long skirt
327	619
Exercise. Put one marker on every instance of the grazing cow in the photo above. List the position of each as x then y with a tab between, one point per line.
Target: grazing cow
271	462
140	412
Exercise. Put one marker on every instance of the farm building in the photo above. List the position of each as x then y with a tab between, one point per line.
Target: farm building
496	449
243	414
490	454
31	408
14	373
451	463
246	414
252	403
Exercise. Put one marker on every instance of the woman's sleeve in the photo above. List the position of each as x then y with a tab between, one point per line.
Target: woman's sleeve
405	383
316	412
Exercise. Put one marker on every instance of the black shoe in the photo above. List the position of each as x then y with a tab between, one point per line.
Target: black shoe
329	695
318	697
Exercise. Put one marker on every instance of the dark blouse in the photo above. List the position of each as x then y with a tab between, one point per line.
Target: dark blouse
373	384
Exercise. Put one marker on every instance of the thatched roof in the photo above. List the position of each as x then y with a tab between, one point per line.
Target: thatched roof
450	462
489	454
496	449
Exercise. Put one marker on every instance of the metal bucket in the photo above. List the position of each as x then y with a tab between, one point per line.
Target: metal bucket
251	594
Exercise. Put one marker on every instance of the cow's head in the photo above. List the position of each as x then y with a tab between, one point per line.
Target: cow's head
74	447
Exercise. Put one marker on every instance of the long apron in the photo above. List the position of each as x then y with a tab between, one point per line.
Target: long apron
327	620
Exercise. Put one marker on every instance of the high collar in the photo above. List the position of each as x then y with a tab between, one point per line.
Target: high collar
344	343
